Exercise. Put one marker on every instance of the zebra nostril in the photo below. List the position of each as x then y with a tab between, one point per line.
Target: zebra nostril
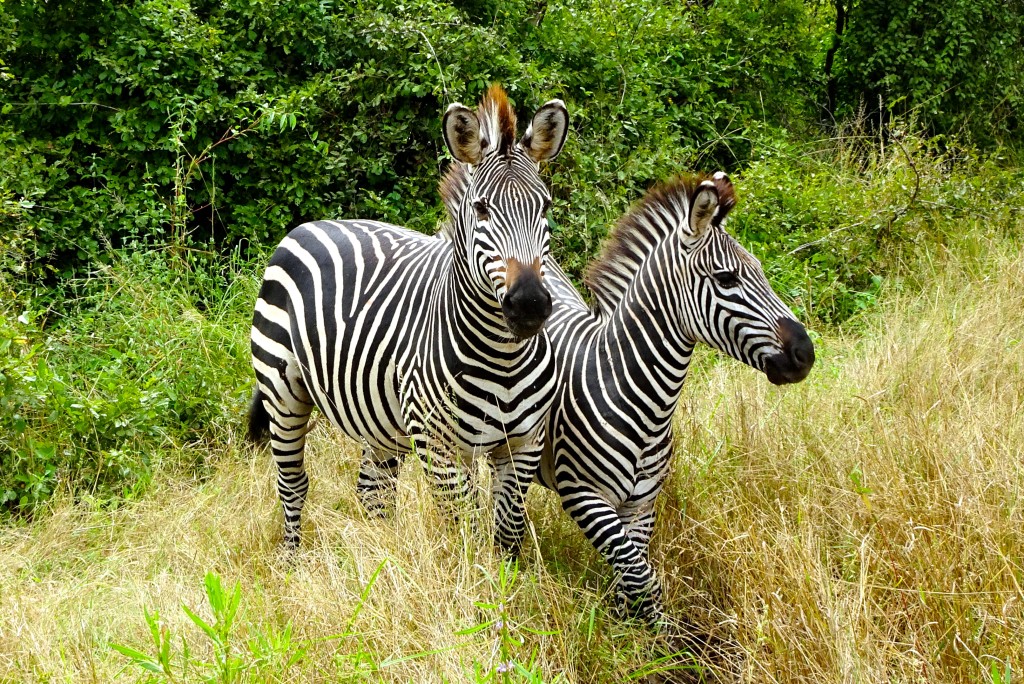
802	355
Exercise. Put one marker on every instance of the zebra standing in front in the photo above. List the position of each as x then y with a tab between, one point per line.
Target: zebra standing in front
668	278
406	342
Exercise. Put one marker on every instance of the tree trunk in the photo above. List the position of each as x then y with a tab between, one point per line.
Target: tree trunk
832	86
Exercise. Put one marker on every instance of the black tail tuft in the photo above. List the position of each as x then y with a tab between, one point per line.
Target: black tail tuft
259	420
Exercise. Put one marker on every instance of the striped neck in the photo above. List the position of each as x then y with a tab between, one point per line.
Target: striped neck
645	331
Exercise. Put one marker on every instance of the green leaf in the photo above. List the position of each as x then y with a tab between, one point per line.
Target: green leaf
139	655
199	622
139	658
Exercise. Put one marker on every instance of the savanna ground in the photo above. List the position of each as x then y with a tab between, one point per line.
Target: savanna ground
864	526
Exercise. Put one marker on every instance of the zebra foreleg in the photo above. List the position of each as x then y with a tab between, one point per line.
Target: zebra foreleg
512	474
639	589
378	480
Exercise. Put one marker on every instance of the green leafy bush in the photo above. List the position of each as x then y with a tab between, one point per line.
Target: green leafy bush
957	64
155	149
188	122
91	400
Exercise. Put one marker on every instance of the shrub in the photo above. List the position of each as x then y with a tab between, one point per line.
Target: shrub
91	400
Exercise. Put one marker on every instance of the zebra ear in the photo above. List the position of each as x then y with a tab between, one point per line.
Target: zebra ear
702	210
546	134
726	196
462	134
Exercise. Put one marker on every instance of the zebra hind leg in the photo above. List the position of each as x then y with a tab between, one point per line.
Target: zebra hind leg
377	483
288	407
513	471
287	443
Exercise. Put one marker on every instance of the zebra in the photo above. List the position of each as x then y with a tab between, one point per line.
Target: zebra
668	277
406	342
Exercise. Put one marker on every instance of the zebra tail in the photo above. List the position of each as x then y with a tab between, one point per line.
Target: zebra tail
259	420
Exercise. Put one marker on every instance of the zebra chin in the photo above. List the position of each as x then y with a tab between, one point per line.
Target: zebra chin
796	359
523	332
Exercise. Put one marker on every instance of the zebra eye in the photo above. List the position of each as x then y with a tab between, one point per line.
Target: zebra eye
727	278
483	212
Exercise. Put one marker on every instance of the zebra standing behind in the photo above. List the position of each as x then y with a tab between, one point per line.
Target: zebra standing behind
668	278
406	342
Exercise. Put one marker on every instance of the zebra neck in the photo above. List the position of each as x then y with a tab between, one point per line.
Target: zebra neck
644	338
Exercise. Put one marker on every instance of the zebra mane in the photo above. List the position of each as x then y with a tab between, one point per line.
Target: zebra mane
497	119
639	231
453	186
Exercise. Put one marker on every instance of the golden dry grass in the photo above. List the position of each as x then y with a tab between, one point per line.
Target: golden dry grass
865	526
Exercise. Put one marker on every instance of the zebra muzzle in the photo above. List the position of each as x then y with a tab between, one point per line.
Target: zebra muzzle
795	360
527	302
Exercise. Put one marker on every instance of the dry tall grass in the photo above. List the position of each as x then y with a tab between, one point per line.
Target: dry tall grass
865	526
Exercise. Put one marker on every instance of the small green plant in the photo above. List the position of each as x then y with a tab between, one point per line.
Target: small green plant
1000	672
266	653
508	642
860	488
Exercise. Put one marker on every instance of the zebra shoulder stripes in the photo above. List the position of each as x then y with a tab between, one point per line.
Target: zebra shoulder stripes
408	342
668	278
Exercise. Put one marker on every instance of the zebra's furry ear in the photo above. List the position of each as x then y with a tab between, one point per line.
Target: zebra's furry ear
702	209
462	134
726	196
546	135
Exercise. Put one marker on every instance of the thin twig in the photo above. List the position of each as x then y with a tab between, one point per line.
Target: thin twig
440	69
917	183
65	104
900	213
828	235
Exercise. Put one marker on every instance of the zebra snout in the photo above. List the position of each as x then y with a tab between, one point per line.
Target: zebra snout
527	302
795	360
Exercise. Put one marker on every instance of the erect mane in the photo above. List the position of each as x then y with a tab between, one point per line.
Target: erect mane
497	119
638	232
452	187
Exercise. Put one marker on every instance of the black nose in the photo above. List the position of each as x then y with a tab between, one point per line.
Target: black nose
797	357
801	350
526	306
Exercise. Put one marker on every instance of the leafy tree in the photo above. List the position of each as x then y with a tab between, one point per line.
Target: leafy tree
954	63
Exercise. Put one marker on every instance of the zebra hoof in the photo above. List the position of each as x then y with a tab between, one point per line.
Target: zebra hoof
644	609
509	550
290	543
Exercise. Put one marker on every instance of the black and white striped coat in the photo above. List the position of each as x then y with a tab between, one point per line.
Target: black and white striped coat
669	277
406	342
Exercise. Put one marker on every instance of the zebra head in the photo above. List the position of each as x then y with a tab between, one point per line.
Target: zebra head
730	304
499	204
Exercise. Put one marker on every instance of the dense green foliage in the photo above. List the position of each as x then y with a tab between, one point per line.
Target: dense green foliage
955	63
232	120
131	371
155	151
